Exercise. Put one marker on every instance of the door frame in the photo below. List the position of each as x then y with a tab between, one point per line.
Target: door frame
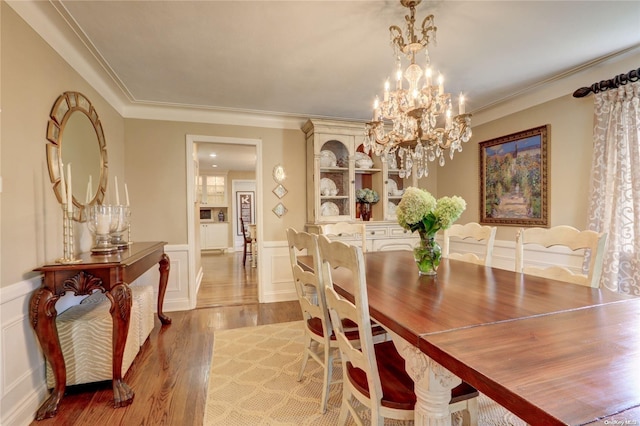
195	277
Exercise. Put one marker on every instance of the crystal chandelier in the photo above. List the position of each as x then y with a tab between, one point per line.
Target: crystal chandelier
417	122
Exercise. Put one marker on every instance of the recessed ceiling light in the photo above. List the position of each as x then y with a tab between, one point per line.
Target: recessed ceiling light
213	154
215	165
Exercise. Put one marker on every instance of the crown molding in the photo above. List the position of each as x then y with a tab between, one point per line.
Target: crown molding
51	21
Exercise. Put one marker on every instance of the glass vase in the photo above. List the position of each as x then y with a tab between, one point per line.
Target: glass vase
365	211
427	254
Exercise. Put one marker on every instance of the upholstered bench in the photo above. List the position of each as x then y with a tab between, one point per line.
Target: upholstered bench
85	333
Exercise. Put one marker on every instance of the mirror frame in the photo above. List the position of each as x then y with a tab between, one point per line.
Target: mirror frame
64	106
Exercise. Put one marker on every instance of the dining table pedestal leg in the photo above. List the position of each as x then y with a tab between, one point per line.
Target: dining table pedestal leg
433	385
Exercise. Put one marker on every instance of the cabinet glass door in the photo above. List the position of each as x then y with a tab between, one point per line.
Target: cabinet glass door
335	186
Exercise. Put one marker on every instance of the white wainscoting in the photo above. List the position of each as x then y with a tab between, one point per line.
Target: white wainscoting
276	280
22	377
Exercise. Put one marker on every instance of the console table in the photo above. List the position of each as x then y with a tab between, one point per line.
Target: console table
111	275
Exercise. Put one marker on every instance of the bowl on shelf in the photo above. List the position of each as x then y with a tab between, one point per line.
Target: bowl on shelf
327	158
363	161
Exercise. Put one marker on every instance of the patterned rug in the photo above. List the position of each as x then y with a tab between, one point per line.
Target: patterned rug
253	381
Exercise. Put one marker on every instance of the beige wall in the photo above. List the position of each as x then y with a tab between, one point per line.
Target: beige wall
33	76
570	152
156	171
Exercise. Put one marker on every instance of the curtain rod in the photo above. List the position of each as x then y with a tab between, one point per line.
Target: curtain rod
601	86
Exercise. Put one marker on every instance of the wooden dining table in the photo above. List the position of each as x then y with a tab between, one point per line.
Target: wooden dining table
548	351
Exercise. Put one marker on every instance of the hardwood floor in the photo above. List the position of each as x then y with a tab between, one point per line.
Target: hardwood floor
225	281
171	372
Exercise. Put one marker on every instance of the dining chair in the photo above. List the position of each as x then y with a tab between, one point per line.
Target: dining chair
318	329
472	230
341	229
571	238
248	246
373	373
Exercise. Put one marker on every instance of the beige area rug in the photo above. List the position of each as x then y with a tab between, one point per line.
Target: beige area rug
253	381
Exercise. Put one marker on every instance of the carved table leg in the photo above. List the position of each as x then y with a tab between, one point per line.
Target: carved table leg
433	384
162	288
42	314
120	296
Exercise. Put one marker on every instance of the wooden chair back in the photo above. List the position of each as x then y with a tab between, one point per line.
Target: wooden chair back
486	234
308	286
571	238
245	236
310	290
341	229
387	389
334	255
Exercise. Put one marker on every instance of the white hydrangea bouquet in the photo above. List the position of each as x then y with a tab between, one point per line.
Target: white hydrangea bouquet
419	211
366	195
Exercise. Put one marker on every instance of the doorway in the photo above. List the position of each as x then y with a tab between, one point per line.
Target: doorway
217	275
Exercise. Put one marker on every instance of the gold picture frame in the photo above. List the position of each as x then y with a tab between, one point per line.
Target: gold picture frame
514	179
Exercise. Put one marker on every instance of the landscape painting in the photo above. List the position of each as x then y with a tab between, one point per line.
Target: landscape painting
514	180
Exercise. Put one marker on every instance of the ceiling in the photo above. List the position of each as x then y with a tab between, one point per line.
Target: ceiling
330	58
227	157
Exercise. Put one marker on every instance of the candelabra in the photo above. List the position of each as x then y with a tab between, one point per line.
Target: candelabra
67	238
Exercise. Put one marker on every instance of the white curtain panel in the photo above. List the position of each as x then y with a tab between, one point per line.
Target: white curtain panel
614	205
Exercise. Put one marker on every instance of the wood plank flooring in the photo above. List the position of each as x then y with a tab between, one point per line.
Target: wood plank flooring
171	372
225	281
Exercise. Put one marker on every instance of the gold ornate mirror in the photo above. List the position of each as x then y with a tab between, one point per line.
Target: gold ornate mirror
75	137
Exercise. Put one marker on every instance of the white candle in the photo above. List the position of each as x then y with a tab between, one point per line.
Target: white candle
448	118
440	85
116	188
461	104
63	185
87	197
69	190
126	194
102	225
386	90
428	76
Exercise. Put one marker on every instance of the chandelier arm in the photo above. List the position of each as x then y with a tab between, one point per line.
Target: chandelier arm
396	37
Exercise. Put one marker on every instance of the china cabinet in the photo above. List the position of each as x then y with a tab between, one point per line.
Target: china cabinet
337	167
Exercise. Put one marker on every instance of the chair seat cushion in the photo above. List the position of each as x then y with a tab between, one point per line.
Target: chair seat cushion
397	386
351	328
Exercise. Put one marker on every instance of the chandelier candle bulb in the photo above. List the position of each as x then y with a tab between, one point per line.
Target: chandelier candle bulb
126	194
386	91
461	104
440	85
448	118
